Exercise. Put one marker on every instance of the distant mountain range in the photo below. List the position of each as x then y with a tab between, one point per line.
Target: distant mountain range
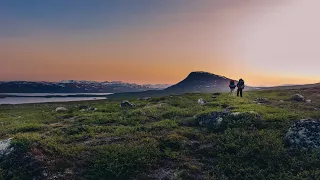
72	86
195	82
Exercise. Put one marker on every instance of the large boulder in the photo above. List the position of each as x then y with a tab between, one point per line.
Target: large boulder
126	104
304	134
298	98
61	109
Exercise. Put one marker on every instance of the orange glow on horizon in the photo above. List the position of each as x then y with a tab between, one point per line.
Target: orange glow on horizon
247	40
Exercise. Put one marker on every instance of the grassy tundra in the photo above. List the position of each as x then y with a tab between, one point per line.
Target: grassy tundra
160	138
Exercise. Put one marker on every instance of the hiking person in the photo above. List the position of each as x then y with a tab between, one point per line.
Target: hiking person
240	86
232	86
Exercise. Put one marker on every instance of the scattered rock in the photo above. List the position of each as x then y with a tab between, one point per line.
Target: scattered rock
262	100
281	101
201	101
5	148
216	94
308	101
126	104
304	134
298	98
61	109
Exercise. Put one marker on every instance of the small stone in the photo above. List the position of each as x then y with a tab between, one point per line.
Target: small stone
298	98
201	101
126	104
91	109
235	113
61	109
308	101
219	120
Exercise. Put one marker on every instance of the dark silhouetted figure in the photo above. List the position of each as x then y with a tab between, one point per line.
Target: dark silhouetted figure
240	86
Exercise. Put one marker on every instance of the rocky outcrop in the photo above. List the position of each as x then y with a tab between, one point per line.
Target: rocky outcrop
304	134
298	98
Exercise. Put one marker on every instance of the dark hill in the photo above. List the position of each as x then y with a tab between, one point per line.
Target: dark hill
201	82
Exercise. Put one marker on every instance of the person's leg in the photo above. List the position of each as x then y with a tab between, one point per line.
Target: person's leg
241	92
238	90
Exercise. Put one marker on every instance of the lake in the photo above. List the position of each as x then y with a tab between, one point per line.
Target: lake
28	98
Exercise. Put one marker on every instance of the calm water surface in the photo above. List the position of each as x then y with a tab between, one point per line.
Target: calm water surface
42	99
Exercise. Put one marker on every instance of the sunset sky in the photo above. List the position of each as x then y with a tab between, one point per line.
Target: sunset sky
265	42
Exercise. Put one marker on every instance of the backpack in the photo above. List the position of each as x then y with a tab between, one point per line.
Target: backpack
241	84
232	85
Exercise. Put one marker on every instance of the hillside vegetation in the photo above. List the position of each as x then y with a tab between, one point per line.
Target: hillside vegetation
159	138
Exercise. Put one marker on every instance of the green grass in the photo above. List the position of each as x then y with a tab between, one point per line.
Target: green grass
160	135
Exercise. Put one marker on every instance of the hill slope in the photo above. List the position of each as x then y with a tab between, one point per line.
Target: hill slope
199	81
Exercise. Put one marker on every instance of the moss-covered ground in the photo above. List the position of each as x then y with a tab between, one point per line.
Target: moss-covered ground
159	138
